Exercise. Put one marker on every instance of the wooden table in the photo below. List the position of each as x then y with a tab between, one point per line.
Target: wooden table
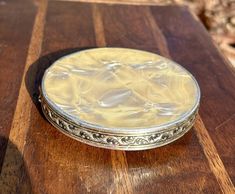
36	158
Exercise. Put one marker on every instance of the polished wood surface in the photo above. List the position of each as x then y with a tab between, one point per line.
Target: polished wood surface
36	158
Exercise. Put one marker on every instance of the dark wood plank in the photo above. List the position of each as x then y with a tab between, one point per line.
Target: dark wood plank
183	163
126	26
215	77
70	26
56	163
14	177
16	21
225	145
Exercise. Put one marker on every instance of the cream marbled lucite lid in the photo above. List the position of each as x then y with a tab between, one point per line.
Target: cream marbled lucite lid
120	98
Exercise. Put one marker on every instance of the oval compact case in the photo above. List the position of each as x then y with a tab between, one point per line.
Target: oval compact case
119	98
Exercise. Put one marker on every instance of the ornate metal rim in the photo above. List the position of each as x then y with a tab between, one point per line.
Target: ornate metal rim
117	141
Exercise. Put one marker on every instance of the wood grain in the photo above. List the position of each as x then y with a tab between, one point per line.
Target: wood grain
121	183
98	26
200	162
215	163
14	39
21	119
213	74
71	166
119	33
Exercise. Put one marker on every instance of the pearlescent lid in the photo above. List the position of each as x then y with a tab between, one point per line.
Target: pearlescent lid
121	89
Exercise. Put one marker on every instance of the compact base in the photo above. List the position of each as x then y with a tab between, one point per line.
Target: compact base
116	141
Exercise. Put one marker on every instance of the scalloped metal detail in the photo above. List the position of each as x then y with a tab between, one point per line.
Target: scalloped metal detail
120	98
115	140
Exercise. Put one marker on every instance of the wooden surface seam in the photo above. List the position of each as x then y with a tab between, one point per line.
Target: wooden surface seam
122	183
122	163
157	34
214	160
210	151
21	119
98	26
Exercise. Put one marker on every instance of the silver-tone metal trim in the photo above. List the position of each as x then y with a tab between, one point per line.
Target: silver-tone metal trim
117	141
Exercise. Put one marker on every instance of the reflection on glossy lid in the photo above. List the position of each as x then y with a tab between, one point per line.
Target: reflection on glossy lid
120	88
